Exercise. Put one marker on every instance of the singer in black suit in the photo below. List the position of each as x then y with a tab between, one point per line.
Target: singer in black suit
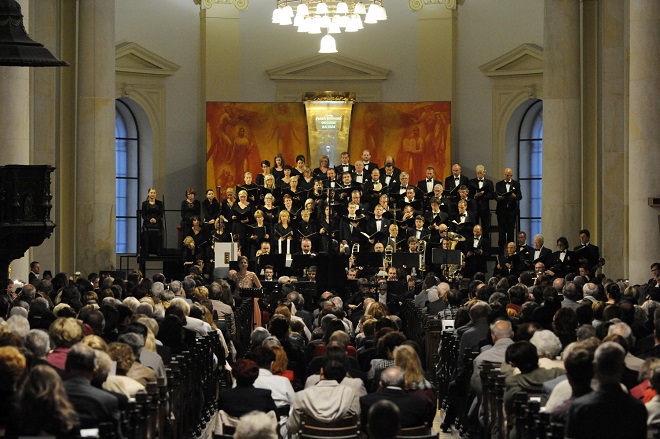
482	190
508	195
540	253
463	221
587	252
426	186
344	165
477	249
389	170
563	261
456	180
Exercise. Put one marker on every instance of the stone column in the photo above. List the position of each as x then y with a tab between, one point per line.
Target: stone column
15	124
612	136
562	153
95	146
643	138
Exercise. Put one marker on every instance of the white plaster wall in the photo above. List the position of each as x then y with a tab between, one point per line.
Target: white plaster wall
171	29
486	30
391	44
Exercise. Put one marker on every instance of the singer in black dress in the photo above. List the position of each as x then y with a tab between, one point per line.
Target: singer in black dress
241	215
189	208
151	238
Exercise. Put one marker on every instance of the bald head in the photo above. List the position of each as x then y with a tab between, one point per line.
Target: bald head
501	329
392	376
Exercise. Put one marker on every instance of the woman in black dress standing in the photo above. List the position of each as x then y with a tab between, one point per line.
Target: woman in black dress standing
241	215
152	224
189	207
210	210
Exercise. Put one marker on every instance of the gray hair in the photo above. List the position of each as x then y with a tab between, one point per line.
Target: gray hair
38	342
259	335
256	425
175	287
18	311
547	343
19	325
135	341
270	341
188	285
624	330
539	236
589	289
157	288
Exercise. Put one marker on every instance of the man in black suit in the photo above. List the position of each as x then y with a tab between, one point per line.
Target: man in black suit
588	253
344	165
477	252
541	253
413	409
359	175
482	191
508	195
563	261
456	180
367	163
433	218
426	185
33	277
351	226
331	179
462	221
525	250
378	223
92	405
419	231
389	170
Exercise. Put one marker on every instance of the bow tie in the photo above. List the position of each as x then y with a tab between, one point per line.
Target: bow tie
456	178
428	180
379	219
481	181
462	215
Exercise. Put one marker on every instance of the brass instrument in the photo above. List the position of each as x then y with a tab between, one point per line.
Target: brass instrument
387	260
378	186
355	249
454	239
421	249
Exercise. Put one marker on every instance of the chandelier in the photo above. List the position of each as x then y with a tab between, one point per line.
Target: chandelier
329	16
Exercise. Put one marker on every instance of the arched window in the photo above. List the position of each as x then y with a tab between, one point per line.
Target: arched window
530	167
127	182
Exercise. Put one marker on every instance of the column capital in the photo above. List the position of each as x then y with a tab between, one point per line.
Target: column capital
241	5
417	5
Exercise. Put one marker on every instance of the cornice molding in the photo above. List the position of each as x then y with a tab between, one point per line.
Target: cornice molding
417	5
526	59
133	58
241	5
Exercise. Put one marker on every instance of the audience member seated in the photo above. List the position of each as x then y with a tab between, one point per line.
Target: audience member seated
328	401
412	408
92	405
245	398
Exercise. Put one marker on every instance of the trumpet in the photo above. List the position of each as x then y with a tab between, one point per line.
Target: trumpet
387	260
421	249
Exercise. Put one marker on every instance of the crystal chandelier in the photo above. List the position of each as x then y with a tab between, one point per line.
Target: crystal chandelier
331	16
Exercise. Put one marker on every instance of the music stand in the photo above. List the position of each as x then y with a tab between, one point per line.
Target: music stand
369	259
408	260
276	260
300	262
446	256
